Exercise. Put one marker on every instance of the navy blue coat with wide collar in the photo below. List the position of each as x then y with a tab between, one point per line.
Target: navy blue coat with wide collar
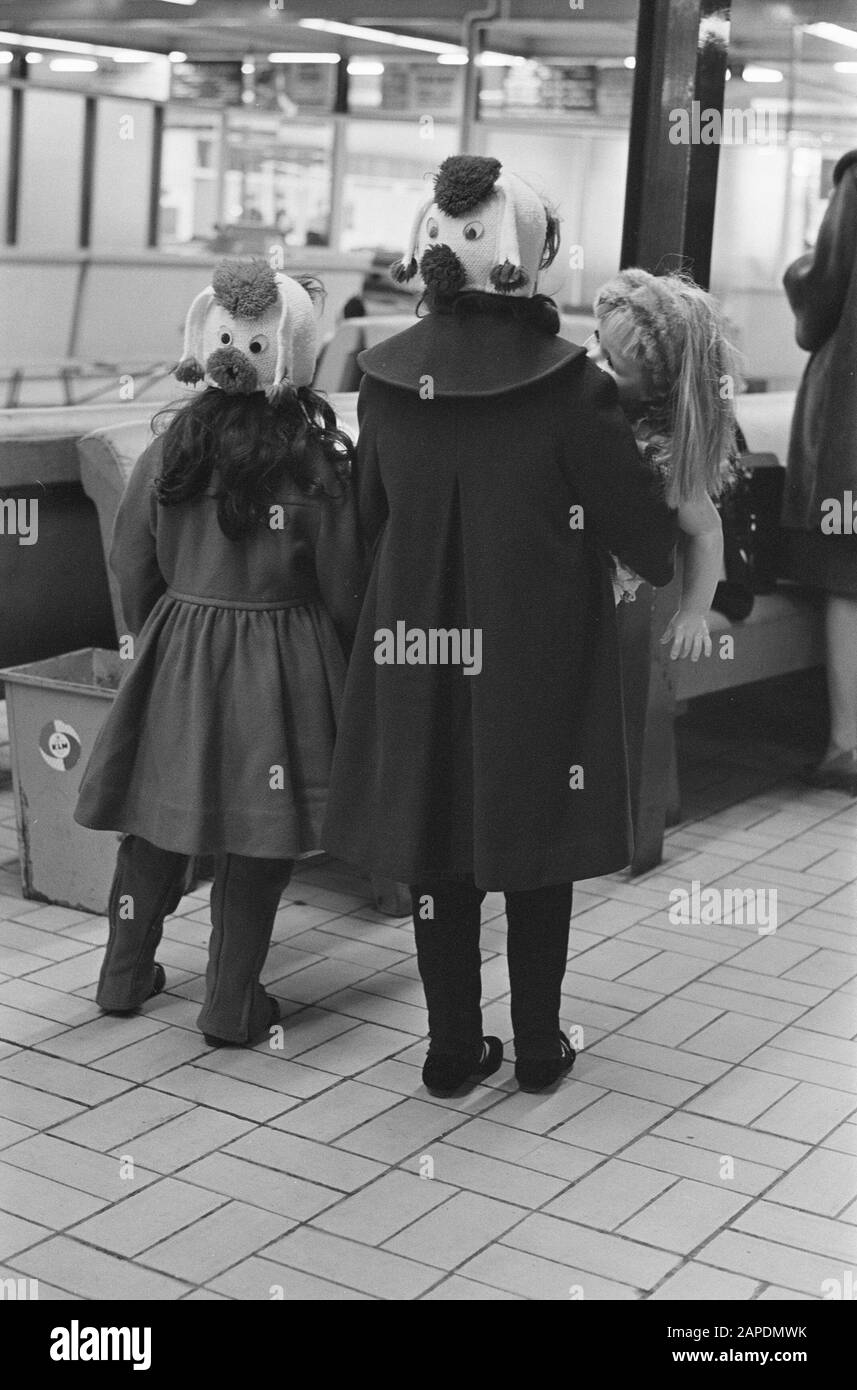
496	472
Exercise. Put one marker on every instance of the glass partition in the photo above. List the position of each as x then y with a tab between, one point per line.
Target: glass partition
122	175
387	164
5	119
190	192
790	111
52	156
277	182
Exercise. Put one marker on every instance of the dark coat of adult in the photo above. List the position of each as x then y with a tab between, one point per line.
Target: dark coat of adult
480	430
822	290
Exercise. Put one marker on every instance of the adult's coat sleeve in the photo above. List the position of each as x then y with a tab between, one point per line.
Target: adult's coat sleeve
619	495
817	282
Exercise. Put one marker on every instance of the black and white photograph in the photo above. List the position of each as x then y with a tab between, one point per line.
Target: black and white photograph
428	670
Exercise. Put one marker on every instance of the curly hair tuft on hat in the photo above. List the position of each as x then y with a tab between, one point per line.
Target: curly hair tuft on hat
245	289
464	181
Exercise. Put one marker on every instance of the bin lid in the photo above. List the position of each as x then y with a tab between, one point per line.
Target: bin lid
91	670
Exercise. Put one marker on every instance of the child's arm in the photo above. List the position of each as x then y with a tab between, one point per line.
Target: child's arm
340	562
688	629
133	553
350	529
372	499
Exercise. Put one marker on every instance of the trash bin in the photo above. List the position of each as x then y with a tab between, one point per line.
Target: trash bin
56	708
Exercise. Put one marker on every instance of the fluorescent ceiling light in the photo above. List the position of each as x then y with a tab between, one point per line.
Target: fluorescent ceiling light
177	56
178	2
93	50
845	67
498	60
303	57
359	31
629	63
488	59
248	68
34	57
73	65
365	67
836	33
6	56
756	74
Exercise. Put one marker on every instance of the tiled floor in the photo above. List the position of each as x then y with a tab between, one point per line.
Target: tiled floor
703	1147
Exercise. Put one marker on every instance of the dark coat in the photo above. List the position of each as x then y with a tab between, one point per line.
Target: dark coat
822	290
478	433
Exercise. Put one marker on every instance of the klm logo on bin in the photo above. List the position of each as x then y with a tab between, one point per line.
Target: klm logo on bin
59	745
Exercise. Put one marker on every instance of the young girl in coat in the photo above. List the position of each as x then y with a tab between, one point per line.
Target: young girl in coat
496	472
238	561
662	340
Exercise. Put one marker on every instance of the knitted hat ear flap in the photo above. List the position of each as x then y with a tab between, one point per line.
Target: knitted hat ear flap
405	270
507	274
523	236
296	341
190	368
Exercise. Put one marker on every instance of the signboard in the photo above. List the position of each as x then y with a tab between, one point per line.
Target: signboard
216	82
311	86
545	88
419	88
569	89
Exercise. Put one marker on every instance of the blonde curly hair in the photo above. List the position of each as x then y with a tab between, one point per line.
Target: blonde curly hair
677	332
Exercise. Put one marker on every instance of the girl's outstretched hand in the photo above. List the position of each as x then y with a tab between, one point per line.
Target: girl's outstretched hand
688	632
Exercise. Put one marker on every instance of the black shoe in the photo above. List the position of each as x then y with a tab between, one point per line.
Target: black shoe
158	984
274	1017
446	1073
834	774
535	1073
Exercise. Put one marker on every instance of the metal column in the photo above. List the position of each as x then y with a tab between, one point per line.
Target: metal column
669	219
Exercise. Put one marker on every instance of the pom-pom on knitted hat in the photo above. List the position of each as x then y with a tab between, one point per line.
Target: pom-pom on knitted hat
484	229
251	329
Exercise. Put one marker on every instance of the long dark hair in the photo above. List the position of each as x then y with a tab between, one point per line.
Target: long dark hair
252	445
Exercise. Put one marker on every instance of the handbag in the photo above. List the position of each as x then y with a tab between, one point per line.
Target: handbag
750	513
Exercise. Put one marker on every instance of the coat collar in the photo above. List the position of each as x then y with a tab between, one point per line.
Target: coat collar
473	354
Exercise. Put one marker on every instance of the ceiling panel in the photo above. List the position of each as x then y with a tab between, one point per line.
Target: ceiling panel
761	29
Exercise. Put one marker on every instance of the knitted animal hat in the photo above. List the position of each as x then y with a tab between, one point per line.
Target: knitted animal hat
483	229
251	329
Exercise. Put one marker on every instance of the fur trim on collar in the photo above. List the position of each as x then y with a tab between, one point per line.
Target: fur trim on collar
539	310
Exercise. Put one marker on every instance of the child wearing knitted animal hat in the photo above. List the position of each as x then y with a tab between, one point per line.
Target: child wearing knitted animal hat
239	565
662	339
484	436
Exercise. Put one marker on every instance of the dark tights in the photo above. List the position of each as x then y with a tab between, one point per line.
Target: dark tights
147	887
450	964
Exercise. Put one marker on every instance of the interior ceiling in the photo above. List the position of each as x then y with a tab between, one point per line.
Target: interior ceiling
226	29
